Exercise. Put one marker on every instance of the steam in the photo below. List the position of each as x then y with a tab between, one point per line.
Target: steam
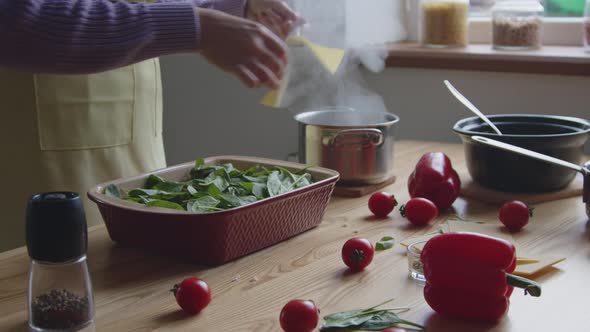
361	29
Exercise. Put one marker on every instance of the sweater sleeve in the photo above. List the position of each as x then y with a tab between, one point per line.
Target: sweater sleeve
86	36
232	7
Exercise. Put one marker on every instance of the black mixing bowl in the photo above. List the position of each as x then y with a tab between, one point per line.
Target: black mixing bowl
557	136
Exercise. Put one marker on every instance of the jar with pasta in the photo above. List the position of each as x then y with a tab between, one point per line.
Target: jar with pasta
444	23
517	25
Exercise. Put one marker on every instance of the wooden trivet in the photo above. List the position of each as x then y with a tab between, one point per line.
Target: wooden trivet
470	189
359	191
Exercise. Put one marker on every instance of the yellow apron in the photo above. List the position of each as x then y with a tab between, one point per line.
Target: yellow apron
70	132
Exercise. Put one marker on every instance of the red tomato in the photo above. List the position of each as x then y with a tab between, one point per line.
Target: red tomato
515	215
357	253
299	316
419	211
192	295
382	203
394	329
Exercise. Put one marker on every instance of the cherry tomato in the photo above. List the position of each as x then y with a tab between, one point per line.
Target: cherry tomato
419	211
299	316
394	329
515	215
192	295
357	253
382	203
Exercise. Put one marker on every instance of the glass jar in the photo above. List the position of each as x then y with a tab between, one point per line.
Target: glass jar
517	25
444	23
60	292
480	7
60	296
587	27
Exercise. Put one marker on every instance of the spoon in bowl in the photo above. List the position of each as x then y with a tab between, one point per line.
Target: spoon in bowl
470	106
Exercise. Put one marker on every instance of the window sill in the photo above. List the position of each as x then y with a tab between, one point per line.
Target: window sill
554	60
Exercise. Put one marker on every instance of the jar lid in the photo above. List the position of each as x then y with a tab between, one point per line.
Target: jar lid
518	6
56	229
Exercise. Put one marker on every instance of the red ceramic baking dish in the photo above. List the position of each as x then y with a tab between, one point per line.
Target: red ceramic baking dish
216	237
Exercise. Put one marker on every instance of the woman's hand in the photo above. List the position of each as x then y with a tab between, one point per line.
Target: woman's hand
276	15
242	47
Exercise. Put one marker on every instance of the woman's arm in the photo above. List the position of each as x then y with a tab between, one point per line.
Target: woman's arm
85	36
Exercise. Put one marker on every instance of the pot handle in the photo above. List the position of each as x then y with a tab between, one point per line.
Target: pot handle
367	136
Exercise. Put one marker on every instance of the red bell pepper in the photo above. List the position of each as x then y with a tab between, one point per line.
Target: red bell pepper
435	179
468	276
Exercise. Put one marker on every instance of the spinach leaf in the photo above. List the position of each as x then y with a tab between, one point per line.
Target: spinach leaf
215	187
235	201
152	181
143	192
273	184
385	319
164	204
169	186
385	243
112	190
191	190
259	190
346	319
371	319
202	204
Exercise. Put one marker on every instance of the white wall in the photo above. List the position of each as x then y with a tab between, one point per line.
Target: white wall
209	113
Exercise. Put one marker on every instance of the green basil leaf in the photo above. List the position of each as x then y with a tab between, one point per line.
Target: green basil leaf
385	243
164	204
112	190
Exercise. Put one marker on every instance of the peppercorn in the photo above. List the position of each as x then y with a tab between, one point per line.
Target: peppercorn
60	309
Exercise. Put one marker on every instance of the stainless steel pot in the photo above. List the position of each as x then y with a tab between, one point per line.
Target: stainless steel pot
584	170
357	144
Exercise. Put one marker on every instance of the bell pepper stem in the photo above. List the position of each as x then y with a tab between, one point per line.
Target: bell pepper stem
529	286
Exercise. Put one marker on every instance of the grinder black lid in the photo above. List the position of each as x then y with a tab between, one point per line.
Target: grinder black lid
56	229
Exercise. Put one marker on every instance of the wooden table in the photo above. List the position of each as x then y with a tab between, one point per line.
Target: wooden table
132	288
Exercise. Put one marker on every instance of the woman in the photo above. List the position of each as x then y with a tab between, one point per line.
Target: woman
80	85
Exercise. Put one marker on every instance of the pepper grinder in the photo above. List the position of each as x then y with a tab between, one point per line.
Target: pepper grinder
60	292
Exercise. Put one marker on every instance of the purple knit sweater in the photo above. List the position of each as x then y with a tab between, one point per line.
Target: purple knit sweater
86	36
